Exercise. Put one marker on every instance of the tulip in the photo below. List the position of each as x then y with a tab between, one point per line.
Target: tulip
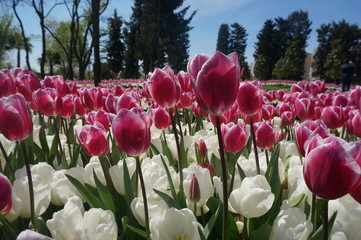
288	118
100	116
202	150
355	97
194	190
58	83
26	83
131	129
257	117
217	84
48	101
195	64
125	101
268	112
265	136
340	100
109	104
5	193
234	136
185	81
118	90
325	99
164	87
15	121
354	125
80	110
305	108
7	83
249	98
91	98
68	106
93	139
339	168
185	100
32	235
332	116
117	173
161	118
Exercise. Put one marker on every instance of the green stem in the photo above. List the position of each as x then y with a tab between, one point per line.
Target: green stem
195	209
325	220
188	121
267	157
179	123
142	185
165	139
8	162
313	212
108	179
67	136
30	182
58	137
224	179
254	144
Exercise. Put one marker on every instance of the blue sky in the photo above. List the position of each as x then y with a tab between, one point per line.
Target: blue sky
251	14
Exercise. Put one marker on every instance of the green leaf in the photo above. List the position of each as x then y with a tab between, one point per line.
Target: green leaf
212	221
39	153
137	231
201	235
42	138
261	233
184	154
53	150
92	200
104	194
76	152
167	199
318	234
168	153
129	193
241	173
115	152
7	227
171	185
293	202
154	149
216	164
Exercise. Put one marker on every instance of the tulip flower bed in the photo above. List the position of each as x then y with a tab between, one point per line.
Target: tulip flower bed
186	156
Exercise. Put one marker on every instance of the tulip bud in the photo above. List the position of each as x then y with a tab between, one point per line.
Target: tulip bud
234	136
196	63
5	193
92	98
125	101
185	81
161	118
15	121
194	190
202	150
100	116
249	98
211	170
265	136
79	107
332	116
26	83
68	106
93	139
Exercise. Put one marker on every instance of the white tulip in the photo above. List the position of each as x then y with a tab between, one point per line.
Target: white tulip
94	165
290	223
297	185
116	173
338	236
31	235
253	198
17	204
175	224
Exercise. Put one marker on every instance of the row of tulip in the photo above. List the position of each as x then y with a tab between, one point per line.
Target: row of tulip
223	159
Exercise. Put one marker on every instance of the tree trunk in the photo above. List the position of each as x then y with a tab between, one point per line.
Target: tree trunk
18	57
43	41
96	40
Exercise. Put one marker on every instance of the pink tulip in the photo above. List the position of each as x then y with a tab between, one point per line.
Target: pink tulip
268	112
125	101
340	100
131	130
332	116
249	98
217	84
257	117
26	83
330	171
197	111
58	83
279	94
195	64
161	118
284	107
118	90
355	125
288	118
91	98
185	81
32	235
265	135
208	166
15	121
68	106
80	110
109	104
7	83
306	131
93	139
270	95
305	108
194	190
185	100
48	101
325	99
234	136
164	87
6	195
202	150
99	116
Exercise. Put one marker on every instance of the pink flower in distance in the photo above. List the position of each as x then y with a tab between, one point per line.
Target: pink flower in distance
15	121
93	139
6	195
217	83
79	107
305	108
48	101
131	130
7	83
68	106
161	118
91	98
265	135
288	118
26	83
330	171
164	87
99	116
234	136
332	116
268	112
249	98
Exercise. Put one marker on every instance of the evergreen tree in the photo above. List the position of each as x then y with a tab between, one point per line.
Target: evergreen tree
115	45
266	54
223	39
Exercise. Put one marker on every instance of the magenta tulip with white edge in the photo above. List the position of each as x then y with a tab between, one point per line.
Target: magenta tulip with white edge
15	121
48	101
131	130
91	98
332	116
268	112
161	118
196	63
202	150
305	108
7	83
249	98
93	139
235	136
330	171
6	195
68	106
217	83
125	101
100	116
265	135
185	81
288	118
26	83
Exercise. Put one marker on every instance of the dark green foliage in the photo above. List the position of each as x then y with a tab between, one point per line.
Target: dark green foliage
223	39
115	45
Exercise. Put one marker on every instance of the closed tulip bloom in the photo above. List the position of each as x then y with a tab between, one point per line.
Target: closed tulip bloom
202	150
196	63
100	116
131	130
125	101
7	83
235	136
284	107
257	117
268	112
194	190
217	84
185	81
26	83
340	100
355	97
305	108
249	98
118	90
325	99
93	139
68	106
48	101
355	124
161	118
265	135
332	116
330	171
80	110
92	98
58	83
164	87
15	121
288	118
5	193
109	104
185	100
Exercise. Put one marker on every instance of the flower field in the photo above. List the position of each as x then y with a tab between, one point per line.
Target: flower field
182	156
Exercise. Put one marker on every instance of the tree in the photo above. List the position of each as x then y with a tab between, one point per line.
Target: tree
223	39
334	61
5	34
16	42
115	45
